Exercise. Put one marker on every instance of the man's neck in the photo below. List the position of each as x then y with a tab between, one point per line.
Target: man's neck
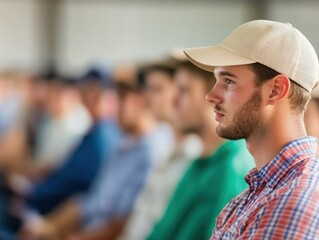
147	123
265	148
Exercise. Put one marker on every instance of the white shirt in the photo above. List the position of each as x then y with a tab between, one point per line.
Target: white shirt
160	185
58	137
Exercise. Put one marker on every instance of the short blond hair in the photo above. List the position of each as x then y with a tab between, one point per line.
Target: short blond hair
298	96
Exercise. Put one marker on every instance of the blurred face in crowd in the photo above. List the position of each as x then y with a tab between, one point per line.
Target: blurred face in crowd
59	98
101	102
53	93
90	93
192	108
4	86
161	93
131	106
237	102
36	93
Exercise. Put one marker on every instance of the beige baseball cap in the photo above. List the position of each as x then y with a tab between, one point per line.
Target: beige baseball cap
277	45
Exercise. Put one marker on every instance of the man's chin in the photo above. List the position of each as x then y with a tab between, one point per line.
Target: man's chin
228	133
220	131
220	128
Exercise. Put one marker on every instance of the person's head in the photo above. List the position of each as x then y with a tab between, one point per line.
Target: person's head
193	111
61	96
7	79
132	104
265	72
161	90
98	95
247	97
124	73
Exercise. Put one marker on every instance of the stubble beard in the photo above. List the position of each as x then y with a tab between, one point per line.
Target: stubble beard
247	120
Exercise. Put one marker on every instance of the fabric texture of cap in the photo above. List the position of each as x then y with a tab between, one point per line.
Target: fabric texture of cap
277	45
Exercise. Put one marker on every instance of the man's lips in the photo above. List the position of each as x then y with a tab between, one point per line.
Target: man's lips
219	115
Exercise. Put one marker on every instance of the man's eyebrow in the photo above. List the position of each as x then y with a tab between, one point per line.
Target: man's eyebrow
225	73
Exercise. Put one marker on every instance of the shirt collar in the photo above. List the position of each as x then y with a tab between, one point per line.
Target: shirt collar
293	153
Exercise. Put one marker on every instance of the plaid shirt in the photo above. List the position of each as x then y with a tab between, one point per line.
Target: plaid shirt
282	201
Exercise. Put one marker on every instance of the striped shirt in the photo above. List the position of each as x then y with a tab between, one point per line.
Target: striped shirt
282	201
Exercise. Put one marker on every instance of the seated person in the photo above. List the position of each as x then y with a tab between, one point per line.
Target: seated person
212	179
161	94
86	159
65	122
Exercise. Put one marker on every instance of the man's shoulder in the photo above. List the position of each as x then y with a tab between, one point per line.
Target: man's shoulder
231	207
301	184
293	205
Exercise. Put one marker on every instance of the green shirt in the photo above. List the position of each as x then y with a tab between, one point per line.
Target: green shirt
206	187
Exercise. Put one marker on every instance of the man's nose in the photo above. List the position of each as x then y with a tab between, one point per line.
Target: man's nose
213	96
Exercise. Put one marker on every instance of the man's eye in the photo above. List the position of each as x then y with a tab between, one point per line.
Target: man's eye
228	81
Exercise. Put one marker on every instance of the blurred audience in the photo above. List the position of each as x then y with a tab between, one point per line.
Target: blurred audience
95	147
66	123
102	212
161	92
56	122
13	114
130	155
13	138
212	179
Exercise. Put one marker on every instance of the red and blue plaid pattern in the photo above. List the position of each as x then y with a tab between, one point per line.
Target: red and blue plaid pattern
282	201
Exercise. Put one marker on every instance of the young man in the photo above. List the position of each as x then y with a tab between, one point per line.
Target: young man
65	124
212	179
265	72
161	95
88	155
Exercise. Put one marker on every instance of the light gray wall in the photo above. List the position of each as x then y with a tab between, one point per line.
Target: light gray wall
106	31
115	32
19	35
301	14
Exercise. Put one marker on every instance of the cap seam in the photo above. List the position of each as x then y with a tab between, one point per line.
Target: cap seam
261	38
298	56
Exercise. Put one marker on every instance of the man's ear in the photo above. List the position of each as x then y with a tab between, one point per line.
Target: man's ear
279	88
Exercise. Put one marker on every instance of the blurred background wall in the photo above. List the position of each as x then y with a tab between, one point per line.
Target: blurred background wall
74	34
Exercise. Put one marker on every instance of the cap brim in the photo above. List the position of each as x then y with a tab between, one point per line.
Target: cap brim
208	58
